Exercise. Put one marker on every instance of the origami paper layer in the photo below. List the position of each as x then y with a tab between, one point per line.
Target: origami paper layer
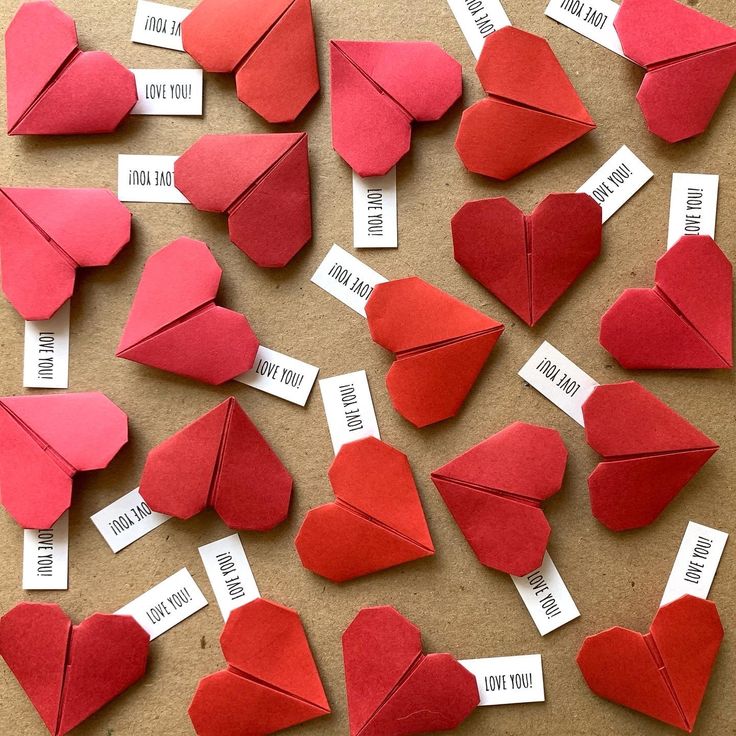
174	323
393	688
532	110
649	453
379	88
45	234
44	441
261	182
271	681
690	60
268	44
495	490
685	321
52	86
70	672
377	520
222	461
663	673
440	343
528	261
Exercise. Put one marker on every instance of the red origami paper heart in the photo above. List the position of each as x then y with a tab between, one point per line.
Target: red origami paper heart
532	110
685	321
70	672
528	261
690	60
393	688
261	182
44	441
271	681
269	44
52	86
45	234
376	522
663	673
649	453
378	89
174	323
222	461
495	490
440	343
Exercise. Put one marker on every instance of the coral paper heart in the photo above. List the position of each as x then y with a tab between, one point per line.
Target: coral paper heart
261	182
174	323
495	490
690	60
52	86
528	261
271	681
222	461
377	520
44	441
649	453
663	673
685	321
393	688
531	112
70	672
379	88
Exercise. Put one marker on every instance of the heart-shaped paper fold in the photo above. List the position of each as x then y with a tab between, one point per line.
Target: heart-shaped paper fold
531	112
52	86
528	261
494	491
440	343
663	673
377	520
649	453
261	182
378	89
271	681
70	672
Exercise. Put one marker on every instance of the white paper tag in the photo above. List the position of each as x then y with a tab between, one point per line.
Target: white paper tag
546	597
158	25
46	556
147	178
693	206
127	519
280	375
229	572
46	351
375	213
167	604
168	92
590	18
478	19
507	680
346	278
348	408
617	181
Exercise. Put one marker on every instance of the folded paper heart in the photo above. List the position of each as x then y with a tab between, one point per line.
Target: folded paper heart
269	44
174	323
70	672
690	60
261	182
649	453
440	343
271	681
52	86
393	688
528	261
376	521
44	441
495	490
685	321
46	234
663	673
532	110
378	89
221	461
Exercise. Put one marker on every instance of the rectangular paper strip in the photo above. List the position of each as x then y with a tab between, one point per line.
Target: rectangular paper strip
693	206
147	178
168	92
46	556
158	25
375	215
478	19
507	680
46	351
590	18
